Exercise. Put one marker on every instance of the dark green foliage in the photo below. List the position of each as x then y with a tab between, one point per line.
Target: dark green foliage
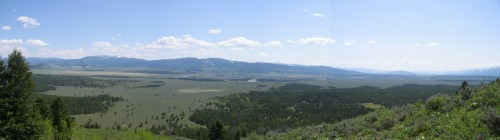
437	103
42	107
344	128
465	91
295	105
17	119
87	104
92	125
441	117
492	120
216	131
61	121
152	84
464	85
48	82
201	79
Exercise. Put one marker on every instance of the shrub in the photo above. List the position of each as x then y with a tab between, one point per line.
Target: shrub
437	102
343	128
387	123
492	120
418	126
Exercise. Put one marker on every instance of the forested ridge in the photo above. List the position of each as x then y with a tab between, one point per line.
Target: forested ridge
472	113
296	105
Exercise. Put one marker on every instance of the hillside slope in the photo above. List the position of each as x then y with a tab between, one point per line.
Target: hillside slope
471	114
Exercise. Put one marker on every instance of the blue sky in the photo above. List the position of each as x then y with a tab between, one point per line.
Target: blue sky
419	35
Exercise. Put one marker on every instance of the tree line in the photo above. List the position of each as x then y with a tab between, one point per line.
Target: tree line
84	105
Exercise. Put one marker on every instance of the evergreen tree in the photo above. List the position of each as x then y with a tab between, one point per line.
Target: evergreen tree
464	85
465	91
61	121
18	120
42	107
216	131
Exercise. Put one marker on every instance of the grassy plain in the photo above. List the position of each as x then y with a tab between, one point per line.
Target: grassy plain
106	134
144	105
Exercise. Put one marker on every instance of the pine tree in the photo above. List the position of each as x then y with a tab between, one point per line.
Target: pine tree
42	107
18	120
61	121
465	91
464	85
216	131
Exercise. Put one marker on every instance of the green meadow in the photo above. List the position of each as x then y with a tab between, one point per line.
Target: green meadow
146	105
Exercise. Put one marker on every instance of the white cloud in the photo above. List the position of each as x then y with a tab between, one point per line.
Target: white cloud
35	42
319	15
237	49
190	39
432	44
214	31
11	42
239	41
102	44
349	42
5	50
316	41
373	42
28	22
263	54
6	28
168	42
273	44
187	41
7	45
19	42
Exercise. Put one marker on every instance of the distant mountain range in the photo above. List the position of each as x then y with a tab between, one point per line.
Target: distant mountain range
191	65
370	71
217	65
493	71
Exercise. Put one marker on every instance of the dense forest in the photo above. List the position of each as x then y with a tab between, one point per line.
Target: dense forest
472	113
295	105
83	105
291	106
49	82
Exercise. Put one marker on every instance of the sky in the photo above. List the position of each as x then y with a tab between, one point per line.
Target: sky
410	35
